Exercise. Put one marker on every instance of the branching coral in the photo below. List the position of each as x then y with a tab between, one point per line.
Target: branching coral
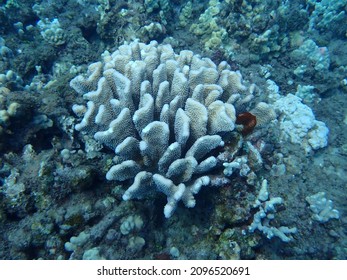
162	113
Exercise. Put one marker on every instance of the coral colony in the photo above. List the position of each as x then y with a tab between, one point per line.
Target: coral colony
163	114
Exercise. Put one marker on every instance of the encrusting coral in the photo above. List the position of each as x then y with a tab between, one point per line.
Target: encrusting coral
162	113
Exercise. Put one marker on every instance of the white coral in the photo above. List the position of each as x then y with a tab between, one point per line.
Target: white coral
298	124
51	31
162	113
322	207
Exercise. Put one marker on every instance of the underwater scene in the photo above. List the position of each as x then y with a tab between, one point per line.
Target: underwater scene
164	130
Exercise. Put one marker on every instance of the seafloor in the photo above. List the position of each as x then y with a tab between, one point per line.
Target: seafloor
55	202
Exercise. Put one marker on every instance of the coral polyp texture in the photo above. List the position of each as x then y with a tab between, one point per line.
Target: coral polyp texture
162	113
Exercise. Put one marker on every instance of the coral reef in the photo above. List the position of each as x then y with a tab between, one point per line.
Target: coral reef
285	124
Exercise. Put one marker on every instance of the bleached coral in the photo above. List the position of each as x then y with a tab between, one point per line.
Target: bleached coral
239	163
265	214
322	208
5	52
306	93
12	189
77	241
131	223
10	77
298	124
51	31
311	54
92	254
162	113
